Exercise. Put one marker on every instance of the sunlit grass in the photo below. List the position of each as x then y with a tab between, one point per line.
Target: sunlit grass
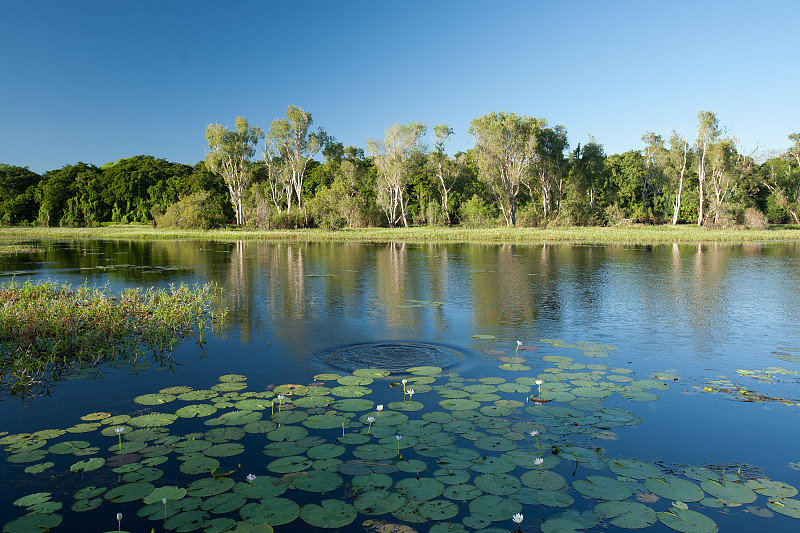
621	234
49	328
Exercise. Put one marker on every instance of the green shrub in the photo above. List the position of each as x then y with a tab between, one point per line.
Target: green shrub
475	213
194	211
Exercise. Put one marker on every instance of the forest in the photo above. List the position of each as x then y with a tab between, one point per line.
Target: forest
521	171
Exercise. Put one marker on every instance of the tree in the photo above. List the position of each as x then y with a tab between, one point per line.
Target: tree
505	145
445	169
395	158
291	139
17	198
729	166
549	166
707	134
654	155
230	156
678	161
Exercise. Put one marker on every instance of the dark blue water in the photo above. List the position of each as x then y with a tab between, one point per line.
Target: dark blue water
699	313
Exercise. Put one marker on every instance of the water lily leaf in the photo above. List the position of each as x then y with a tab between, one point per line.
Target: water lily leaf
199	465
187	521
459	404
39	467
550	498
495	443
32	523
385	418
591	392
514	367
317	481
91	417
169	492
371	372
378	501
87	466
129	492
500	484
494	508
494	410
406	406
410	512
413	466
424	370
633	469
228	387
84	505
235	418
491	465
438	509
326	421
353	404
225	449
196	410
628	515
543	479
602	488
288	417
687	521
289	433
483	337
158	511
420	489
773	489
330	514
729	491
84	428
223	503
219	525
286	465
375	452
33	499
674	488
350	391
153	420
210	486
198	395
310	402
353	438
785	506
452	476
154	399
355	468
561	525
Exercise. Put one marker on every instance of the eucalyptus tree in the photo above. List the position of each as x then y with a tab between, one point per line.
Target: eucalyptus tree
729	167
291	138
230	156
783	179
395	157
505	144
549	166
708	133
446	169
654	156
678	161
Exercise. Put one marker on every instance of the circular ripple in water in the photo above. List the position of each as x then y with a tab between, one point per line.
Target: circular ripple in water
392	356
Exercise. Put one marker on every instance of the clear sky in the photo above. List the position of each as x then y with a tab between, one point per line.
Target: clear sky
98	81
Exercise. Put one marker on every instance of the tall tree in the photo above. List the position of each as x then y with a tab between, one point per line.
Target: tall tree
679	155
708	133
505	145
653	153
395	157
729	166
292	140
444	168
230	156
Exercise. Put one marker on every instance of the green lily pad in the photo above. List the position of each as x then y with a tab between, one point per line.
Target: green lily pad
420	489
500	484
286	465
491	465
84	505
634	469
199	465
225	449
89	492
198	395
317	481
543	480
483	337
438	509
494	508
459	404
289	433
375	373
325	451
628	515
143	474
33	523
223	503
514	367
326	421
353	404
39	467
602	488
674	488
154	399
33	499
495	443
196	410
129	492
329	515
785	506
772	489
550	498
187	520
450	476
413	466
350	391
561	525
729	491
153	420
168	492
378	502
687	521
424	370
375	452
210	486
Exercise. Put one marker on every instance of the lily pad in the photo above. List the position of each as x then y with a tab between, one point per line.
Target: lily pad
33	523
223	503
286	465
602	488
209	486
626	514
674	488
154	399
634	469
420	489
329	515
543	480
772	489
494	508
129	492
687	521
729	491
500	484
438	509
169	492
317	481
378	501
196	410
785	506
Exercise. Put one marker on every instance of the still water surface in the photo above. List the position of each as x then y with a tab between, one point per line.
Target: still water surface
695	314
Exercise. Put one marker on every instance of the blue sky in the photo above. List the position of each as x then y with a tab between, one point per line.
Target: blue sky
98	81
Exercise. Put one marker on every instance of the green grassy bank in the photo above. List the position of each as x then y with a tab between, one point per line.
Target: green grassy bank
22	238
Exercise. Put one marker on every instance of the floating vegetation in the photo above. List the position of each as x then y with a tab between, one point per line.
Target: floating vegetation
465	454
49	330
741	392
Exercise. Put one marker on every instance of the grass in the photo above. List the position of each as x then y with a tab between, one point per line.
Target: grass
30	236
47	330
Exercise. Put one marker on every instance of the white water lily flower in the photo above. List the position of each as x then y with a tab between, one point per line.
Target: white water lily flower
538	461
379	408
251	477
281	397
534	433
411	392
119	430
517	518
398	437
403	381
370	419
119	517
538	381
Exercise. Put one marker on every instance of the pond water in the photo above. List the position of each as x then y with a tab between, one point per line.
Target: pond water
668	398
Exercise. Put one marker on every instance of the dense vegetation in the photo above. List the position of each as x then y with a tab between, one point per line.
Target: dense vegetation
520	172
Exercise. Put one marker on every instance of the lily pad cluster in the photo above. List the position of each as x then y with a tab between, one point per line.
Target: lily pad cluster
423	449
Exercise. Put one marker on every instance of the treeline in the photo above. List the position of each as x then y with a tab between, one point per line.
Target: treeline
521	171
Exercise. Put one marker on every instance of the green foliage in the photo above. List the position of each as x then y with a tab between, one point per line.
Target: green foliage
17	194
475	213
196	211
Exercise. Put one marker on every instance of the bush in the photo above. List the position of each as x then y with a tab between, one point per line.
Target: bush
193	212
614	215
755	219
528	217
474	213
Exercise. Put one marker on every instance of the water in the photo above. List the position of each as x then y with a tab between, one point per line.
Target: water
694	315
